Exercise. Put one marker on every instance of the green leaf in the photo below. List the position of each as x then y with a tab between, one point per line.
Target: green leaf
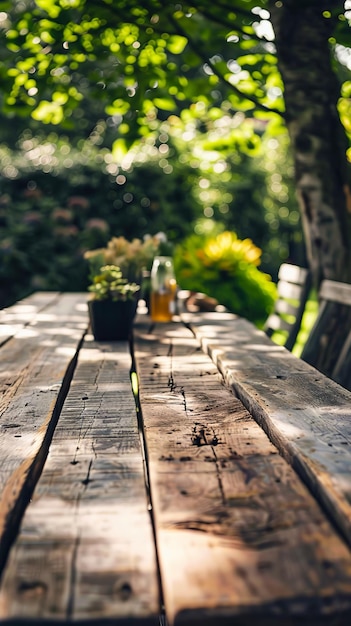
176	44
118	107
119	149
48	112
166	104
50	6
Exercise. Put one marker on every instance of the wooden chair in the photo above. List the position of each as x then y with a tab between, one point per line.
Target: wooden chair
294	284
342	370
334	309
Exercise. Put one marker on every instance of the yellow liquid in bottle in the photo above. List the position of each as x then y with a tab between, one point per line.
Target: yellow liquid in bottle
162	303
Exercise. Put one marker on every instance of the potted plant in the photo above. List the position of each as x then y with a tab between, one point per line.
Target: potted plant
113	304
134	258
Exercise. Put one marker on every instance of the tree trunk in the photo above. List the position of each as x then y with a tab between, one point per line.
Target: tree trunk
311	92
319	144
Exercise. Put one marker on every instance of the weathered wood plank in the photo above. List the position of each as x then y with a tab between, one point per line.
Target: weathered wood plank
306	415
13	318
86	552
240	539
35	370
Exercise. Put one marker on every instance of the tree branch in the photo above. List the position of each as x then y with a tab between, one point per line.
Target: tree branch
208	62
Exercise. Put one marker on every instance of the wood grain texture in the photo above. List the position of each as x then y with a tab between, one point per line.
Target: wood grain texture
85	552
35	370
305	414
240	539
15	317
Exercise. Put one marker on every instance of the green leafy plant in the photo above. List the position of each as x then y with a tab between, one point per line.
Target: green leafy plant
109	284
226	268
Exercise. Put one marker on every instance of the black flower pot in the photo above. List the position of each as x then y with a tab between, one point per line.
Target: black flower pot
112	321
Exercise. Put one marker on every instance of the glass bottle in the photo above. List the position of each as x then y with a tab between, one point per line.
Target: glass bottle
163	289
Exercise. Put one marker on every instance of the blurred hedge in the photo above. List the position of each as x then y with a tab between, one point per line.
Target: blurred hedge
48	221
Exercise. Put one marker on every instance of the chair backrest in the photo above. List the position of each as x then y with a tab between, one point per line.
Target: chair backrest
293	285
334	310
342	369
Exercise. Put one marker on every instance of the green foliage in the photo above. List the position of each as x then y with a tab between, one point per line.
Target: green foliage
133	62
49	220
139	61
225	267
109	284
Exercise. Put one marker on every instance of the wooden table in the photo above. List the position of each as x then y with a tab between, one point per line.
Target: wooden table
201	478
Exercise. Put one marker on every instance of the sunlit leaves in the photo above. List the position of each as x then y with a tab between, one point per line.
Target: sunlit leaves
119	150
126	34
49	112
69	4
152	54
176	44
346	89
52	7
241	138
146	53
127	53
166	104
344	107
74	94
118	107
